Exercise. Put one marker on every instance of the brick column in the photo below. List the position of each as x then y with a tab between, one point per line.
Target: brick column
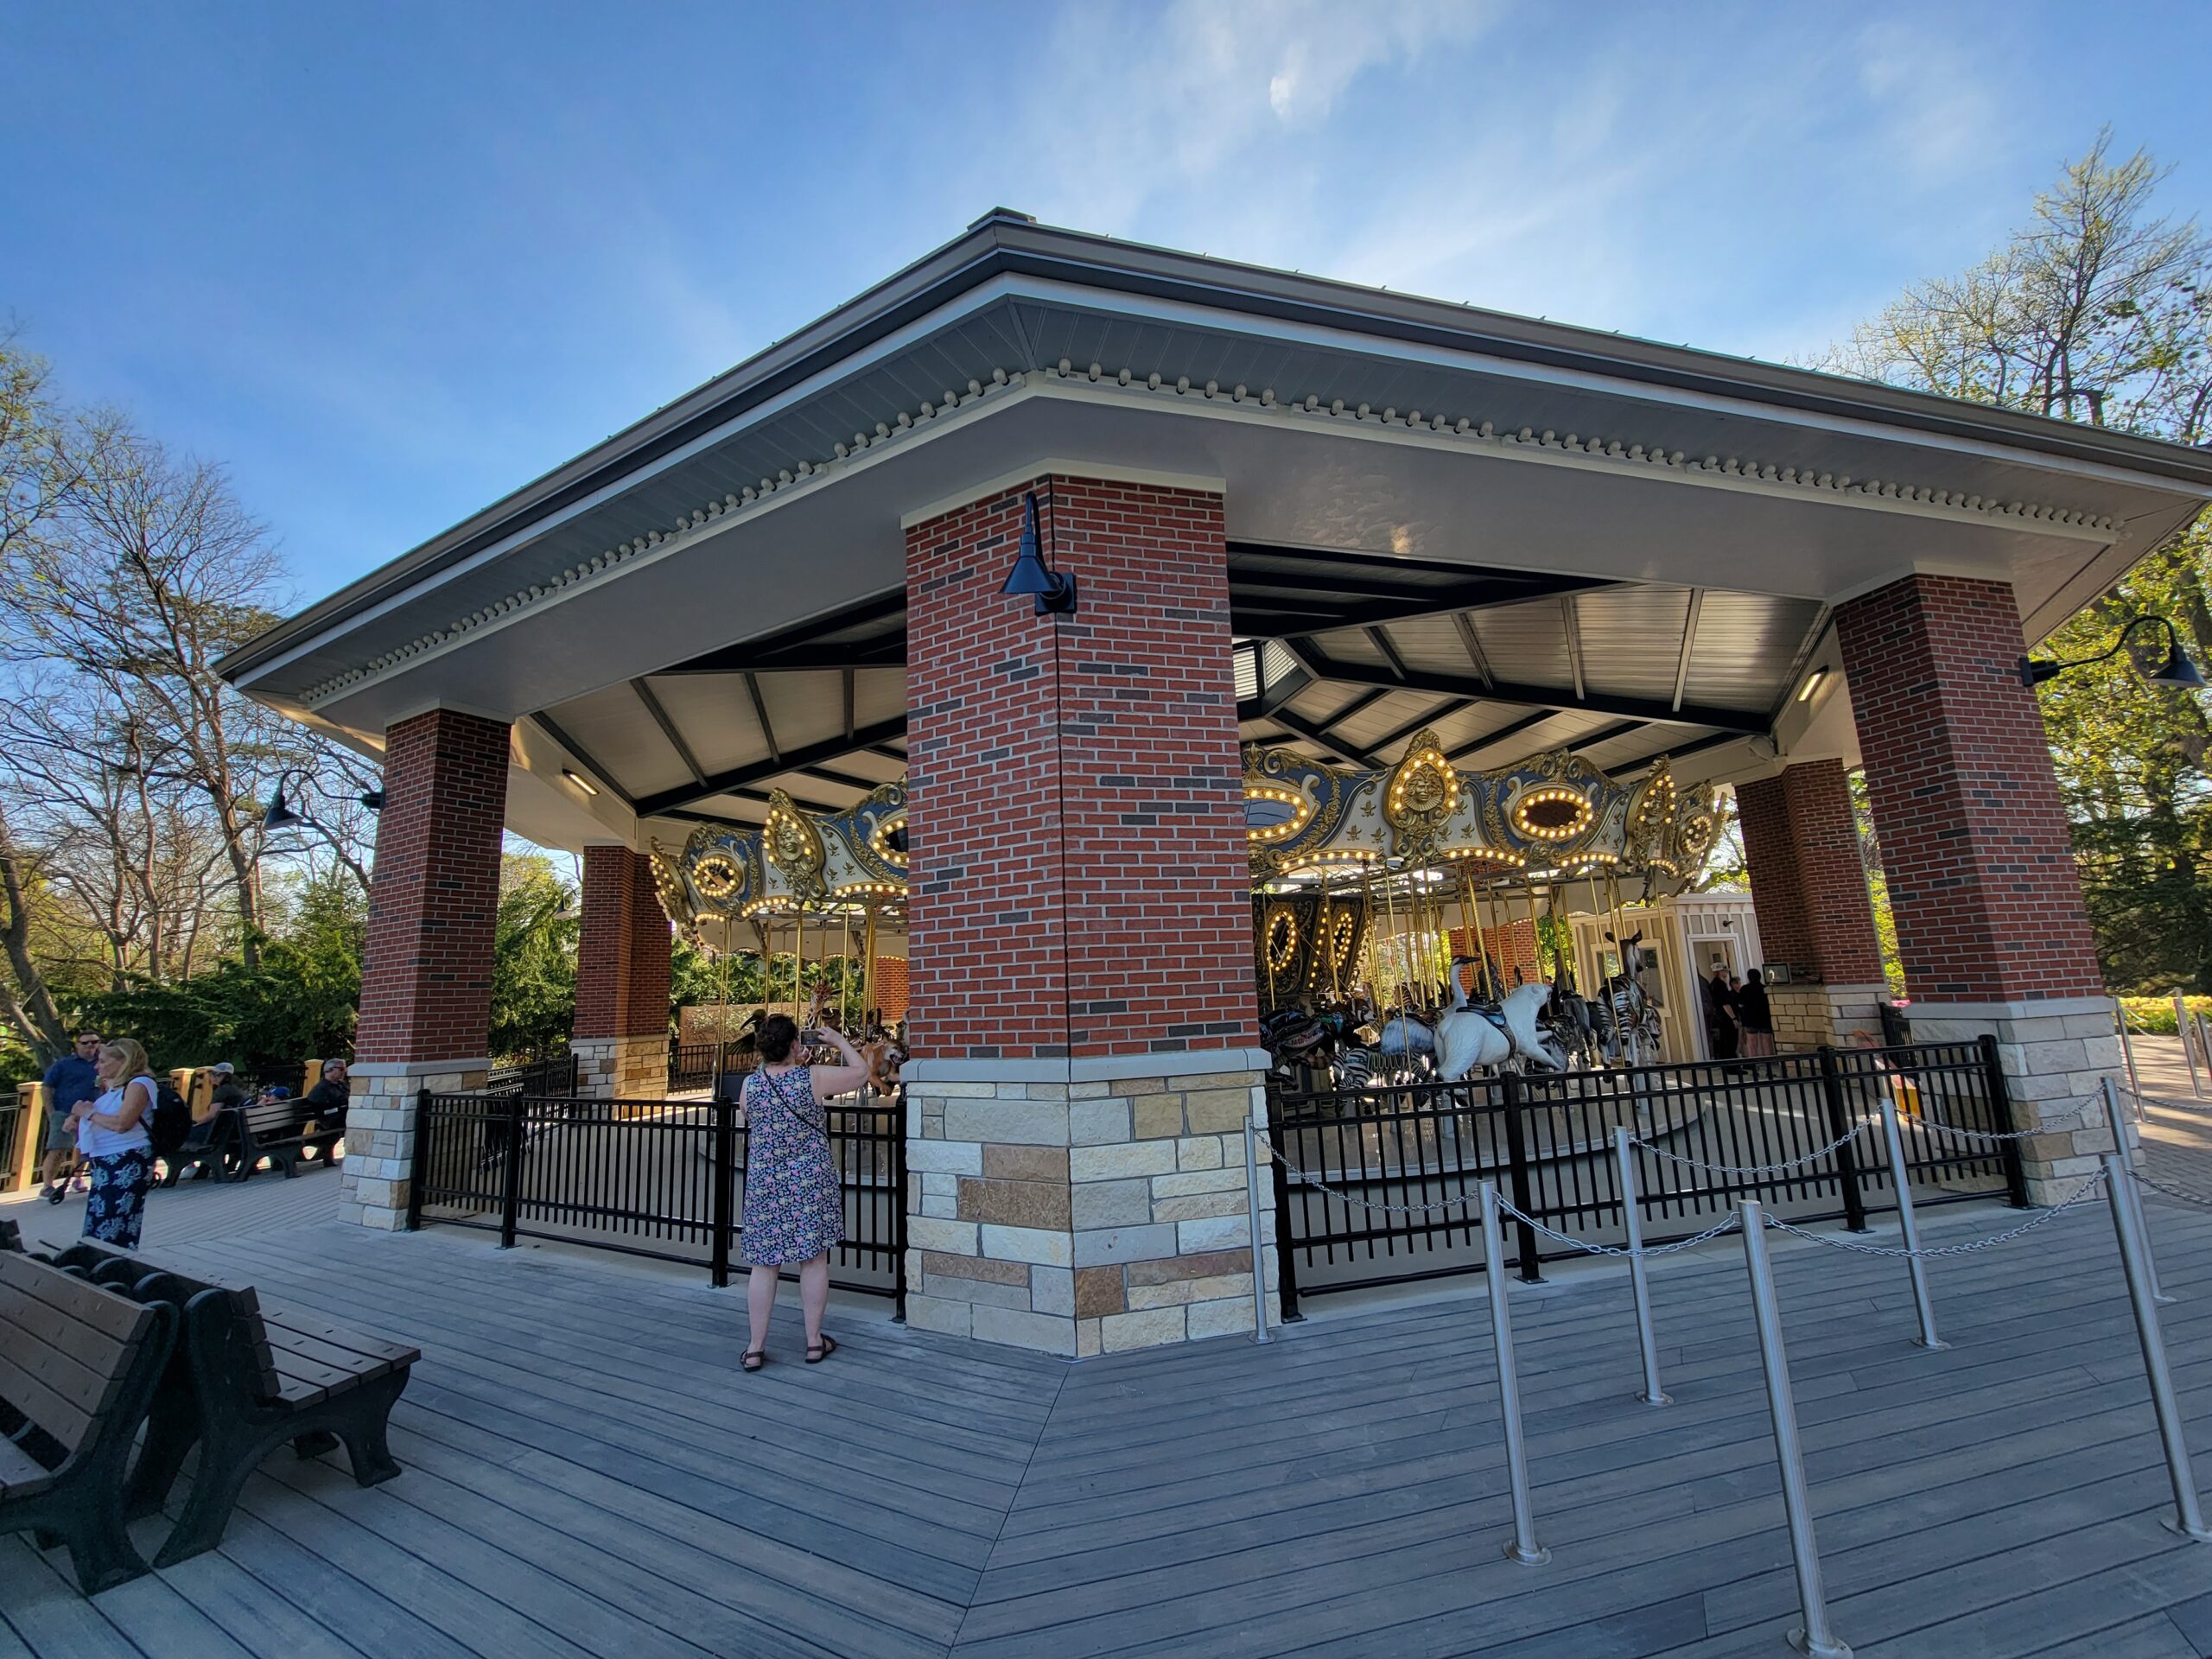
426	974
1974	844
623	950
1809	885
1079	930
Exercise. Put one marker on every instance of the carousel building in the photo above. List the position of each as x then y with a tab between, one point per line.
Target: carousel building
1109	641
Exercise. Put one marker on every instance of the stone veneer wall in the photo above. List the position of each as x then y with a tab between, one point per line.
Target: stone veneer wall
380	1163
1810	1016
1086	1218
621	1068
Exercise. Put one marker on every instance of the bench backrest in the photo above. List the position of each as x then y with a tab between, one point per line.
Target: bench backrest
237	1307
275	1118
66	1348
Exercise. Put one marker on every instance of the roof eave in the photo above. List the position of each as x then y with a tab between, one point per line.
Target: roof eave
1005	242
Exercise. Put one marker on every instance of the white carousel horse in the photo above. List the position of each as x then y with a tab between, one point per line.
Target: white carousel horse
1468	1036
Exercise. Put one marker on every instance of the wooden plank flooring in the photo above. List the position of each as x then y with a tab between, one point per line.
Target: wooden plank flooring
587	1473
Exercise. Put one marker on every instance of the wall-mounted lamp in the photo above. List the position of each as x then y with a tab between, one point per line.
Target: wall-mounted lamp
2175	670
1814	682
580	781
277	816
1054	589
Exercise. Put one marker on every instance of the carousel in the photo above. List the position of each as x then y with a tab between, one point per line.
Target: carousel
1413	922
802	888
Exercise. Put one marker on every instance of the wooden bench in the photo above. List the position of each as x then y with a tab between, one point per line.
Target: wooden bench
246	1379
77	1367
215	1154
283	1133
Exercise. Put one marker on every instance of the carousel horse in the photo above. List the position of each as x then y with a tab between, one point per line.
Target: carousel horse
1630	1022
1471	1034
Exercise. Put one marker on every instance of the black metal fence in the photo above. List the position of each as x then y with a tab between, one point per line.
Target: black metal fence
544	1074
693	1067
1776	1128
664	1178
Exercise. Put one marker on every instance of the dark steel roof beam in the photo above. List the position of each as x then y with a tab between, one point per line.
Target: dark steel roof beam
760	714
1324	667
736	778
1679	752
1689	644
1472	643
1350	753
1504	734
668	730
583	758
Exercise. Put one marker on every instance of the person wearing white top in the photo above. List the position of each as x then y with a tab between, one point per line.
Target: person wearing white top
112	1134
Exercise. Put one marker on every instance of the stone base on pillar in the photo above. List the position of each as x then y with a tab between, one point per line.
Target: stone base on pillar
621	1068
2056	1054
1809	1016
374	1181
1084	1214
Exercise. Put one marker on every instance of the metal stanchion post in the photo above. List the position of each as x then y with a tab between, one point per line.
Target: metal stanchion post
1816	1638
2127	1055
1524	1549
2133	1197
1908	1229
2187	1048
2126	1221
1252	1209
1639	1283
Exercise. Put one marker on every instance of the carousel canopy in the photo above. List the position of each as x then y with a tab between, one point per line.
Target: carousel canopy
1555	817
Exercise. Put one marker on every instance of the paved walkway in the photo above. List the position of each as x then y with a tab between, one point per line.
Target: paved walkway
588	1474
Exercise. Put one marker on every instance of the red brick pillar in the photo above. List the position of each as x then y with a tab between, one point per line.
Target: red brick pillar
1078	928
426	974
1980	869
623	946
1808	885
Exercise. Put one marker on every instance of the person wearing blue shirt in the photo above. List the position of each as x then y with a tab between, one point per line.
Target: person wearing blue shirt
74	1077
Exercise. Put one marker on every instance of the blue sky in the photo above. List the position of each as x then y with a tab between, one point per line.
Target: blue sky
387	262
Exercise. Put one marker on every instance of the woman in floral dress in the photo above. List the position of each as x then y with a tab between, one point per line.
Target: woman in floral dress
111	1132
794	1213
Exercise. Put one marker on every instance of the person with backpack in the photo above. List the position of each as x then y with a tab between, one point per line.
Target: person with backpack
113	1135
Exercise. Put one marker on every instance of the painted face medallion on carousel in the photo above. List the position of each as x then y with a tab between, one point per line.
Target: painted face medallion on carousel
1422	795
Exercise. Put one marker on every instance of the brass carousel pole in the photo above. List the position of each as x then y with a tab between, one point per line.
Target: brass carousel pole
870	1007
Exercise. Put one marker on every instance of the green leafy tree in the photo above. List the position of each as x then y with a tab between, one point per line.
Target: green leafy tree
2099	309
534	957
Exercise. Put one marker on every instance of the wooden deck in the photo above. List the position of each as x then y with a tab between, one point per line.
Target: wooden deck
588	1474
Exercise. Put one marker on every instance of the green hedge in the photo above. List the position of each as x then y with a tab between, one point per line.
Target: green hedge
2155	1015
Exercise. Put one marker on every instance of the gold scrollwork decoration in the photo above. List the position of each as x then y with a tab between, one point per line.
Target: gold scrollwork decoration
794	847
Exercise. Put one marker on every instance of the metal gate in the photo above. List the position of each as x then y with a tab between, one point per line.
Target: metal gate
1377	1185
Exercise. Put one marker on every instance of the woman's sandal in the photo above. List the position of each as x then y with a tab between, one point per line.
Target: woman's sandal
753	1359
818	1352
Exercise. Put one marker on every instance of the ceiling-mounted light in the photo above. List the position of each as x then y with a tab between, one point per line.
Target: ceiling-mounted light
580	781
1814	682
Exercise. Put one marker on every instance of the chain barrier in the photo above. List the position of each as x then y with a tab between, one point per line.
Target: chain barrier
2078	1196
1723	1225
2172	1192
1783	1168
2163	1103
1464	1201
1995	1138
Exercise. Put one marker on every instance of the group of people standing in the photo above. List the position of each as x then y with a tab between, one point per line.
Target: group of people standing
101	1097
1738	1020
